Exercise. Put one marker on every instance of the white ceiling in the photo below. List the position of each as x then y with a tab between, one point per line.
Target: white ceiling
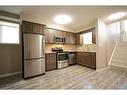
81	15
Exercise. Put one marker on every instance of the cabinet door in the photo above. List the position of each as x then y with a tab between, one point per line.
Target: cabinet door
86	59
93	60
57	33
72	38
50	61
27	27
93	35
30	27
49	36
67	39
38	28
79	39
80	59
83	59
46	36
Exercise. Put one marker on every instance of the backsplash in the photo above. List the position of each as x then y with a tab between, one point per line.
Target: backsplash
89	47
69	47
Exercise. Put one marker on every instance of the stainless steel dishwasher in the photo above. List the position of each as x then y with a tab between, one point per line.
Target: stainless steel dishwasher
72	58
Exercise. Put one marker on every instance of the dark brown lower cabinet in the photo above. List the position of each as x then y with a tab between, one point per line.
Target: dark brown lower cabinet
50	61
93	60
87	59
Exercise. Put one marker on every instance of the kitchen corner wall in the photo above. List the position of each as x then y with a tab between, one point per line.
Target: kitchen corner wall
101	54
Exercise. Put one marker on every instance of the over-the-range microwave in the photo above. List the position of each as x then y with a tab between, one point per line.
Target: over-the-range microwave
59	39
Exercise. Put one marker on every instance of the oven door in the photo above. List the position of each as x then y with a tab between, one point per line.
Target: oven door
62	56
62	60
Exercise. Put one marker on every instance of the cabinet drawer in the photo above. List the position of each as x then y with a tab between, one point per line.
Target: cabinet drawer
50	67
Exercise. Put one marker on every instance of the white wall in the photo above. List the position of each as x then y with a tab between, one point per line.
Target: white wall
101	53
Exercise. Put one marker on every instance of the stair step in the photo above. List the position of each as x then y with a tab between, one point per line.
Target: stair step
120	65
120	55
120	68
121	48
119	61
122	44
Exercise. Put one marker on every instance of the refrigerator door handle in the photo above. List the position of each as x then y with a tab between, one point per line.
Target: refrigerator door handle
43	46
28	52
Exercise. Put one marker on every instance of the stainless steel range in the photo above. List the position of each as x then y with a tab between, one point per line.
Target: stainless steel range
62	57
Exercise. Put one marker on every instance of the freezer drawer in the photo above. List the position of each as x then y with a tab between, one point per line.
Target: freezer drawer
34	67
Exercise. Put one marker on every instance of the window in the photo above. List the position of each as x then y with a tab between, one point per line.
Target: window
9	33
87	38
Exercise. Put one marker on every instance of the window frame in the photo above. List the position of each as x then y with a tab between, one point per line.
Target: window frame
91	38
8	21
93	30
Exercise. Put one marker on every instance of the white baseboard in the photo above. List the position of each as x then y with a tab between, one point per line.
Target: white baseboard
9	74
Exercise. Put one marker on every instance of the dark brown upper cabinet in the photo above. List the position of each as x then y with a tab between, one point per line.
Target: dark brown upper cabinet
93	35
49	36
79	39
31	27
70	38
67	39
58	33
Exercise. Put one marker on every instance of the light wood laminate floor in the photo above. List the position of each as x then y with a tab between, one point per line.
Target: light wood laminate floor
73	77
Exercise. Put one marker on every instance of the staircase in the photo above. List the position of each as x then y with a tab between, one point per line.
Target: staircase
119	58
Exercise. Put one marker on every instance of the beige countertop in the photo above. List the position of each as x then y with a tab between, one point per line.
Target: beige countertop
50	52
84	51
73	51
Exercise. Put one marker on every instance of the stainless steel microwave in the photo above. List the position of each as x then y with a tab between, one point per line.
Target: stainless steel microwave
59	39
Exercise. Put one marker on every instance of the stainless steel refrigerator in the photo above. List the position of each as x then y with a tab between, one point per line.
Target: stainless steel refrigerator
34	56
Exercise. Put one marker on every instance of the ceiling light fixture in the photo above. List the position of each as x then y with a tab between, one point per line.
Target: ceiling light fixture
116	16
62	19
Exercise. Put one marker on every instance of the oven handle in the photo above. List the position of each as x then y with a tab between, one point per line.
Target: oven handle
62	53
